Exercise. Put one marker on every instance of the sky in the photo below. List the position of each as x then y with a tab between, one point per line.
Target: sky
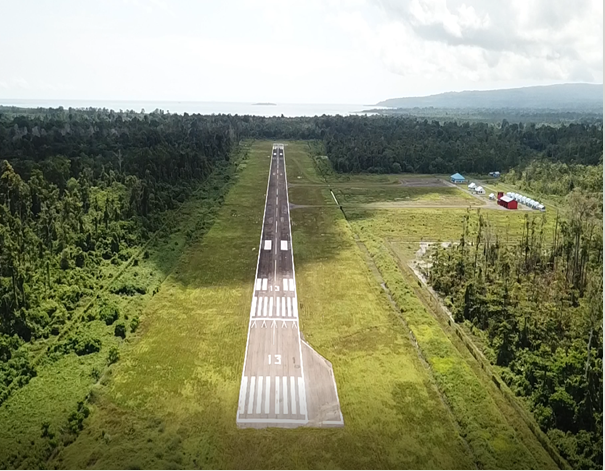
292	51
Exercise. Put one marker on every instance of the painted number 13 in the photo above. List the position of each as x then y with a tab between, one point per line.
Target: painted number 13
277	359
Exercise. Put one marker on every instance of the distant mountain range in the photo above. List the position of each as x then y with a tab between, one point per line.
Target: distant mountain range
568	96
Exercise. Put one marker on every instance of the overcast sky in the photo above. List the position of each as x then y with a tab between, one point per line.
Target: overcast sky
292	51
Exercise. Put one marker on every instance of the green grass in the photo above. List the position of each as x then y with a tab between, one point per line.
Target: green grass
171	401
367	178
435	224
363	195
310	195
299	168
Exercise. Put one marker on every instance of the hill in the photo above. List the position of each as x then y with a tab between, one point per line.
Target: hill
569	96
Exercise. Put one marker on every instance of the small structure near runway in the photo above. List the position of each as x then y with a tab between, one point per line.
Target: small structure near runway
529	202
457	178
506	201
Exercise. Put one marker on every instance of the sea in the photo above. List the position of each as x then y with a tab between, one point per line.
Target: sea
202	107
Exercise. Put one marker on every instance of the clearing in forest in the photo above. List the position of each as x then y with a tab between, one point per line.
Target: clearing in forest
172	400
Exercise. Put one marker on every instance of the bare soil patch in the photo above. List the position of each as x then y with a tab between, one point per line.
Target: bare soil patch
423	182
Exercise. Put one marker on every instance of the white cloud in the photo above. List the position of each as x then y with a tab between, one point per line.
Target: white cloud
294	51
491	41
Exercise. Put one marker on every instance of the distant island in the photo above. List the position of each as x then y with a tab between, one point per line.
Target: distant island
567	96
264	104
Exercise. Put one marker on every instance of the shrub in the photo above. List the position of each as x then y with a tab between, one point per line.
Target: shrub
64	263
113	355
109	313
80	343
76	419
128	289
95	373
120	330
134	323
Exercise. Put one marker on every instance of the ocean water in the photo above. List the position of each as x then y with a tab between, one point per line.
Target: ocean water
202	107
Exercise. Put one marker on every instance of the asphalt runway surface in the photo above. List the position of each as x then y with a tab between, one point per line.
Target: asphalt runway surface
285	383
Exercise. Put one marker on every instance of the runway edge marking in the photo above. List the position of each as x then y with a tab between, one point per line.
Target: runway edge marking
302	367
260	244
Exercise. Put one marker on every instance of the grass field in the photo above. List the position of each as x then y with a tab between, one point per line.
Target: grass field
435	224
430	194
171	401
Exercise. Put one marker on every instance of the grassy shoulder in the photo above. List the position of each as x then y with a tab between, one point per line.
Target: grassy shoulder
47	413
171	401
494	441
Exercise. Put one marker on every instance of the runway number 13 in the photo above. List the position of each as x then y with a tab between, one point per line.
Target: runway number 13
277	359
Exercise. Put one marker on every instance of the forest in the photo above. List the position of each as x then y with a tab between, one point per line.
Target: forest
387	145
395	144
496	115
537	305
556	178
79	188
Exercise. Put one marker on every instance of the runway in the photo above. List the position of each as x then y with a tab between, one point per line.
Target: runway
285	383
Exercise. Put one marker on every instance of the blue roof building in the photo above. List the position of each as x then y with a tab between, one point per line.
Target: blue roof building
457	178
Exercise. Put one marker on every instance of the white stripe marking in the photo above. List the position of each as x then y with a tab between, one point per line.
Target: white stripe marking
251	396
265	306
259	394
259	311
242	395
267	245
270	307
289	307
293	395
257	284
283	307
285	394
277	421
302	397
277	398
265	284
267	393
291	281
284	245
253	310
277	307
285	280
257	263
295	307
